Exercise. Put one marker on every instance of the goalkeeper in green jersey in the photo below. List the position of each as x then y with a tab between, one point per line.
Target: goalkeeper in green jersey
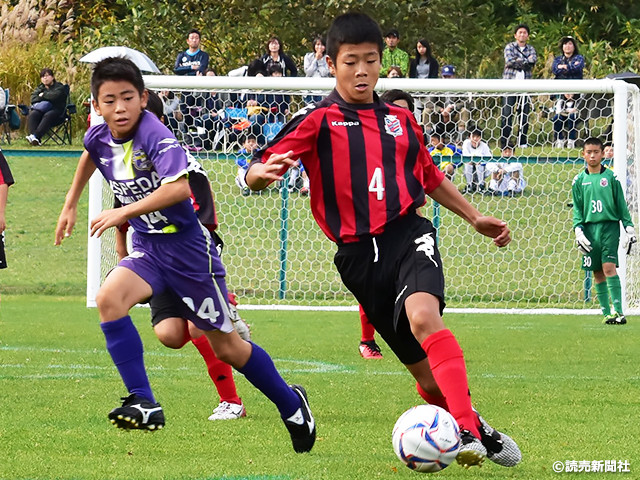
598	208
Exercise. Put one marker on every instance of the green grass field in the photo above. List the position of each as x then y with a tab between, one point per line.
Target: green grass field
564	387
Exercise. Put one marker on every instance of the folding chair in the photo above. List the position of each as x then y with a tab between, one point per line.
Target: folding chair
5	118
62	131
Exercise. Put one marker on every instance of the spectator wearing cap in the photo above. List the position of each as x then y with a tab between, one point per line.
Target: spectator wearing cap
451	113
392	56
519	60
570	64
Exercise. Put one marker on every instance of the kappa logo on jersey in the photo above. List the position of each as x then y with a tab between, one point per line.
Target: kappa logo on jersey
603	182
104	161
140	160
426	243
392	125
345	124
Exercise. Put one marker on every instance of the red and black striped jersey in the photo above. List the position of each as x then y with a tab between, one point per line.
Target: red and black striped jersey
5	172
367	164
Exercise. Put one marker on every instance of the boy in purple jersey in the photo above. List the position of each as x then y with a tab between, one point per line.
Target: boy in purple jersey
369	172
147	170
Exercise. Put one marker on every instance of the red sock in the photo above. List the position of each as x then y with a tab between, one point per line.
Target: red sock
220	372
368	331
447	366
438	400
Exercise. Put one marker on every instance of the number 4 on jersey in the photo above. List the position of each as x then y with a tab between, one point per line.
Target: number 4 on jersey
376	185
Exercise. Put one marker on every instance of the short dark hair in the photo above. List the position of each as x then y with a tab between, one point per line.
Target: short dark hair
46	71
391	96
154	104
594	141
116	69
568	39
353	28
194	30
274	67
521	25
255	67
477	132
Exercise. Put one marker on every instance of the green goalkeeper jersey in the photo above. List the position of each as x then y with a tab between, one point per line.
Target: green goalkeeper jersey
598	197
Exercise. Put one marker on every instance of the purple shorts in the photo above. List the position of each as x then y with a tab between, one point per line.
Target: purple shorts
187	264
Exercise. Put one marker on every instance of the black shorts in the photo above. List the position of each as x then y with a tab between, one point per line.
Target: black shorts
384	270
167	304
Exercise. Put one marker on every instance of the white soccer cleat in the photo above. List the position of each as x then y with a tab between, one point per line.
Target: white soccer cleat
228	411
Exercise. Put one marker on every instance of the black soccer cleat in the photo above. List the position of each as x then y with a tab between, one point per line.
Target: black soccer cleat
139	413
615	319
301	425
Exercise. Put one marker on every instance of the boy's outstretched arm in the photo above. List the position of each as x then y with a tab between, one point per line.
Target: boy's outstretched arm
449	197
68	215
260	175
168	194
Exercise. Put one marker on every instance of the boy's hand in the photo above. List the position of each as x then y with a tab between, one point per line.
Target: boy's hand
495	229
630	239
66	222
107	219
262	174
584	245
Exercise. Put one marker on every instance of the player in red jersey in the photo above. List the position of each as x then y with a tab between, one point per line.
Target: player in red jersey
369	172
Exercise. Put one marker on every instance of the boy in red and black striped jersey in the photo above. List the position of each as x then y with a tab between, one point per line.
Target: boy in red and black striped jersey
6	180
369	171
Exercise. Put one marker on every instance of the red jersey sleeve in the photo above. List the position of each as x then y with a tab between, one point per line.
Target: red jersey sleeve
299	135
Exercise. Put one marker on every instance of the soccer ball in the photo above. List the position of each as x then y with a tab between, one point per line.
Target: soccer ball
426	438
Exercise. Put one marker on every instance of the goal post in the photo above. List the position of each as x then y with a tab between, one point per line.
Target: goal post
277	257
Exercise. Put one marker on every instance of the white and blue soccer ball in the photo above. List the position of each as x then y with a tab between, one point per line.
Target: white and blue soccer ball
426	438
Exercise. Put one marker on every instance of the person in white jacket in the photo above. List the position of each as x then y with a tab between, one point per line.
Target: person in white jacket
315	65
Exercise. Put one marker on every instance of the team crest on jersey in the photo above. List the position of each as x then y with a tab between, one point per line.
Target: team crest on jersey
392	125
603	182
140	160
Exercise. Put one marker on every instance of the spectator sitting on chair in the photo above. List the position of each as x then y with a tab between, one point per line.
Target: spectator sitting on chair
438	148
48	103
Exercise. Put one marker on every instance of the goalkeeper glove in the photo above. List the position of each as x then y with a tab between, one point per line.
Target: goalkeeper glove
584	245
630	239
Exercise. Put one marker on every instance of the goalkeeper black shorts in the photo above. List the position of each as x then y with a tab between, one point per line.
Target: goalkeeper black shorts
384	270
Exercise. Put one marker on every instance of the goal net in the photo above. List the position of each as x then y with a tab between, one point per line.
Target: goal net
277	257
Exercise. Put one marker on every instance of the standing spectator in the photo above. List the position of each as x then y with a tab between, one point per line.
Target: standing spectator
315	62
6	180
276	55
570	64
519	59
564	120
48	102
192	61
315	65
423	66
392	56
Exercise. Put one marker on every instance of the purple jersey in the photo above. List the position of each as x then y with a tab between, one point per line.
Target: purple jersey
135	167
